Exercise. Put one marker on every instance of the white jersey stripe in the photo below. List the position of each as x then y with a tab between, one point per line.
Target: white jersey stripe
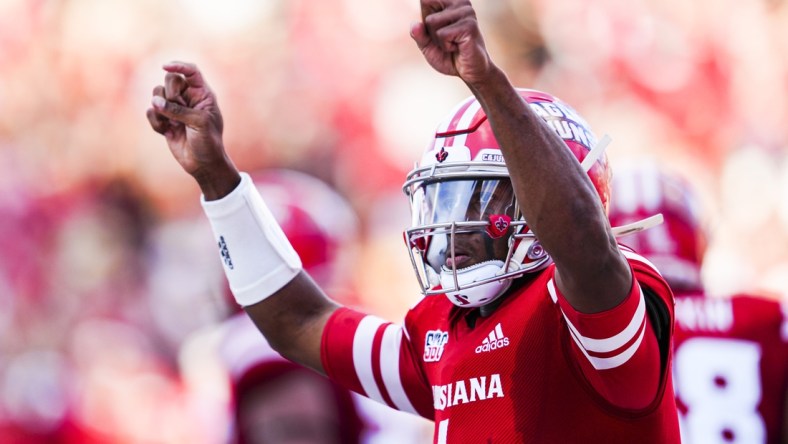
362	355
616	360
641	259
612	343
551	290
389	368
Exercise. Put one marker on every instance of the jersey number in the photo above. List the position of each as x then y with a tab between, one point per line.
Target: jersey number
719	382
443	431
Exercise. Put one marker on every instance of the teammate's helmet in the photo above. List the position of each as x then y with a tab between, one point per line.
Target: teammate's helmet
462	185
317	221
677	246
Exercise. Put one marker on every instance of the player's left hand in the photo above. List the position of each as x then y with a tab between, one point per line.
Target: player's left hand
451	41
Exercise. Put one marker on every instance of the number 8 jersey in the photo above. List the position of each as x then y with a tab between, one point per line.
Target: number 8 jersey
731	368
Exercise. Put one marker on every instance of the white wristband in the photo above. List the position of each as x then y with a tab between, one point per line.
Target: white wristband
257	257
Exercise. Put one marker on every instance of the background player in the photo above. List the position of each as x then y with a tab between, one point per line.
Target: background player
731	353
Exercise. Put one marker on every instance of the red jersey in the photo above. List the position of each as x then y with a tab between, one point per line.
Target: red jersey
731	368
535	370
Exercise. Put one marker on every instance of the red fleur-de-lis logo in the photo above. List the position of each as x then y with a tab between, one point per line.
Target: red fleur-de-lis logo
499	225
441	155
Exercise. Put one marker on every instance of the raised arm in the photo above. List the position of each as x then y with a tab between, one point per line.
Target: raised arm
556	196
264	272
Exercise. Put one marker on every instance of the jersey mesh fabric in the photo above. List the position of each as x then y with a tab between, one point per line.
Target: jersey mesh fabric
518	375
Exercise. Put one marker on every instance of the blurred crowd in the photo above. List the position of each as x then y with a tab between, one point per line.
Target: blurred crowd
109	285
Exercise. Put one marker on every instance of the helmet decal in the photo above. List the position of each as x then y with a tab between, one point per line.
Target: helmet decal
499	225
565	122
441	155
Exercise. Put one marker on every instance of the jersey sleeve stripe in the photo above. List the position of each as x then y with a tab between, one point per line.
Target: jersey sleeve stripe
616	360
362	355
636	257
612	343
336	352
390	368
377	343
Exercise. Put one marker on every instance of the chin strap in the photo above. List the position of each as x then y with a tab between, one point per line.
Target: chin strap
595	153
636	227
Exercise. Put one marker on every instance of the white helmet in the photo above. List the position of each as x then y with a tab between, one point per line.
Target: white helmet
461	189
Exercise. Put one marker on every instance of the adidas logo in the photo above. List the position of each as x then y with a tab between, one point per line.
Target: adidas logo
493	341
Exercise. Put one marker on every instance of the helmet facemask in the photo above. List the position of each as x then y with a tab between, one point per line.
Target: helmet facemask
468	239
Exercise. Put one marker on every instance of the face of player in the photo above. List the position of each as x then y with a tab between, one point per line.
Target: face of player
465	201
297	409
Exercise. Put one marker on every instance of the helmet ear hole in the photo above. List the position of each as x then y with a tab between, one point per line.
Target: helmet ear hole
535	251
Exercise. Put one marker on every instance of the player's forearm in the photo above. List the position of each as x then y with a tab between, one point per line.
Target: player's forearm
557	198
293	319
266	275
218	180
553	191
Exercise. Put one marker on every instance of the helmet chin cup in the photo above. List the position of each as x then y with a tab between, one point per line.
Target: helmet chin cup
466	294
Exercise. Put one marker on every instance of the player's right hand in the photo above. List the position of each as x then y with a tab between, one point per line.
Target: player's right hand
451	41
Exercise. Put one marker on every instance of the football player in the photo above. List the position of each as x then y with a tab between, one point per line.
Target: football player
731	353
538	327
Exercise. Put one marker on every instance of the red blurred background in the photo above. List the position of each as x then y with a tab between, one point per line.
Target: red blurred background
109	287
